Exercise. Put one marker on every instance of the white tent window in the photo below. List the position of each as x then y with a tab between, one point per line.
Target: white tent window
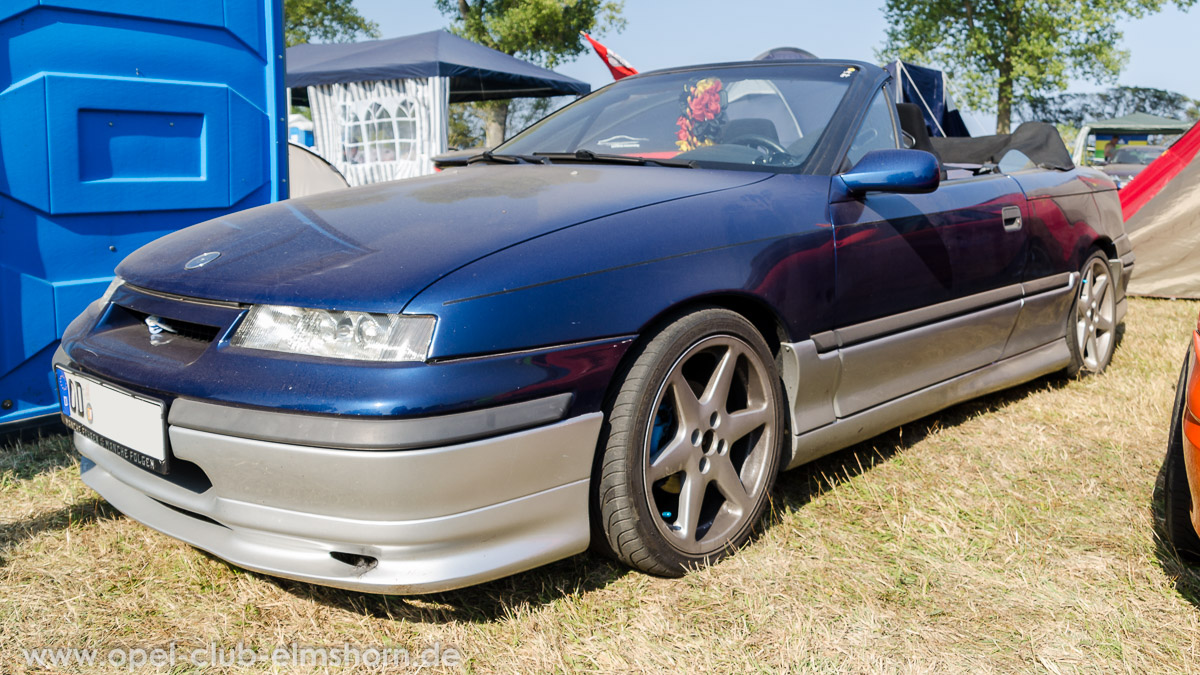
381	130
354	150
406	129
379	135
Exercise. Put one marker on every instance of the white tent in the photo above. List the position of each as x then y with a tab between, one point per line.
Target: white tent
380	108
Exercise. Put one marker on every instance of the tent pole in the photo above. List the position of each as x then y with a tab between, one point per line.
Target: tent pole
1081	144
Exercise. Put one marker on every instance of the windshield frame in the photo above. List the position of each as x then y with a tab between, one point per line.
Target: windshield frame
832	143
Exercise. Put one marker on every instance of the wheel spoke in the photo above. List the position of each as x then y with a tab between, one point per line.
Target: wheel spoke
743	422
717	390
687	407
1085	290
730	484
1099	286
672	459
1091	353
691	499
1104	323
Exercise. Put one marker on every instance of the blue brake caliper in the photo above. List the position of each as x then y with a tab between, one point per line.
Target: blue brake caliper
663	420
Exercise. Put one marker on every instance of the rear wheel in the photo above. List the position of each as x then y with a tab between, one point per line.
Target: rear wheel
1092	325
1177	495
692	445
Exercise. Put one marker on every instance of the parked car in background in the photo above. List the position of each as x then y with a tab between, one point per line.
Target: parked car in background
1181	489
1129	161
613	330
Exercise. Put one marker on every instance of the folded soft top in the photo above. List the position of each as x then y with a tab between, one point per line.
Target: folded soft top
1039	141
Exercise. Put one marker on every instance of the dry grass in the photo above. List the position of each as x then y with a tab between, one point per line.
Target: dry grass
1016	532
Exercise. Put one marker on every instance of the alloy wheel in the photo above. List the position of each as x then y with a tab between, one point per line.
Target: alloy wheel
709	444
1095	312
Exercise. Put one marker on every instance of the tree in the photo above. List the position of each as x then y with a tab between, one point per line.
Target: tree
1006	51
324	21
545	32
1075	109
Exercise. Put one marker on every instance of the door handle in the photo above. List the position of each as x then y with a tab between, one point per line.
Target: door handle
1012	218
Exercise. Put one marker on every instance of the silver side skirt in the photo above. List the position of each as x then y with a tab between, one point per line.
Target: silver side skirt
847	431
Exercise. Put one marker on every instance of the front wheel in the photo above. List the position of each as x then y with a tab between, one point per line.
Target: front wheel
692	447
1092	324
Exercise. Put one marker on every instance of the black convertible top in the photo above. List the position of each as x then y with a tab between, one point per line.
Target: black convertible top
1039	141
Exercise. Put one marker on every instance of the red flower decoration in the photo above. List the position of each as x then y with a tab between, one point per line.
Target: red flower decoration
702	114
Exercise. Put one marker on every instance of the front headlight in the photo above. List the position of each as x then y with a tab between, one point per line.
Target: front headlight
336	335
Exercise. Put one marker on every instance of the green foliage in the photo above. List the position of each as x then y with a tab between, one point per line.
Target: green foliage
324	21
545	32
1011	51
464	128
1075	109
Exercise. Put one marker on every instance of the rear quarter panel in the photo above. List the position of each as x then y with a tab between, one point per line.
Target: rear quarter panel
1069	213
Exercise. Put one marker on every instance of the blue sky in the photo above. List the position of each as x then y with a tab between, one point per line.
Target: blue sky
663	33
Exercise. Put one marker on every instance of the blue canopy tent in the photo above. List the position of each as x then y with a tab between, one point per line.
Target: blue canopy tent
926	87
476	73
380	108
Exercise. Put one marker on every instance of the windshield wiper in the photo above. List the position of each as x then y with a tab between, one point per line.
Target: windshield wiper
589	156
489	156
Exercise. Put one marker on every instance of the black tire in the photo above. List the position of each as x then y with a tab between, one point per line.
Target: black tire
667	524
1177	495
1092	329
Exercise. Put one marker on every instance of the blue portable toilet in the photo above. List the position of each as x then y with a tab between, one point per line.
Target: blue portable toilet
121	121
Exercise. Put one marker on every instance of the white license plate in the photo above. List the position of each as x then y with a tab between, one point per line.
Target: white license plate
124	423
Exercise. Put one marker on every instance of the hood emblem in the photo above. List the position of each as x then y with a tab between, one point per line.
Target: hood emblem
201	260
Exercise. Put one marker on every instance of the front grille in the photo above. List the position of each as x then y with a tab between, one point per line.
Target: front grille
184	329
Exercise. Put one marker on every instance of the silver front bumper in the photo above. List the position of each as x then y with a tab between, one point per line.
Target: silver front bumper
406	521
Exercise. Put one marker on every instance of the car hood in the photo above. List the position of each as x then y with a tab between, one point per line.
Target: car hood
374	248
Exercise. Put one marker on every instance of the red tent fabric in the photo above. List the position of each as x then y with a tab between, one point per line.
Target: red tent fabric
618	66
1154	177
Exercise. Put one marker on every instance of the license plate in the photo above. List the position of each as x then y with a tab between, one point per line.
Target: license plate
124	423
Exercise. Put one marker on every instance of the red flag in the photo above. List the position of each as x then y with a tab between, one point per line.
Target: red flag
618	66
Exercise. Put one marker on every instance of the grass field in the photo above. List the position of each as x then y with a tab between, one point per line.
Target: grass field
1013	533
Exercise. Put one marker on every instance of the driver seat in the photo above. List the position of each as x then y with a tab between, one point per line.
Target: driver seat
749	126
912	122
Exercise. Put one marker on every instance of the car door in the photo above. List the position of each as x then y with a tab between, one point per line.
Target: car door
927	286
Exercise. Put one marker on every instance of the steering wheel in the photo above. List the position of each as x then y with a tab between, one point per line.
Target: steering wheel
759	141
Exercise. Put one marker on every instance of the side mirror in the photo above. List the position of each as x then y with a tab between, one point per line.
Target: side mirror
901	171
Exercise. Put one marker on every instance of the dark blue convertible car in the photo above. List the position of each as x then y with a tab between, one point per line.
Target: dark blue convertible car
615	329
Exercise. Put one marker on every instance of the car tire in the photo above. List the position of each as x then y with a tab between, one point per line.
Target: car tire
691	445
1177	495
1092	329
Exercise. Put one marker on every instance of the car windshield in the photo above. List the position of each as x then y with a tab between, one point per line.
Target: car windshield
766	116
1137	155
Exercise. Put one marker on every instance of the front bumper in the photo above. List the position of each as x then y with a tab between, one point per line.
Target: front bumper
387	521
